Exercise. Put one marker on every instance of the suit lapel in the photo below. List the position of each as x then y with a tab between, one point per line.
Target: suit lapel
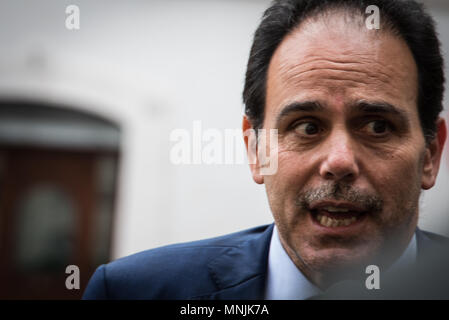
240	272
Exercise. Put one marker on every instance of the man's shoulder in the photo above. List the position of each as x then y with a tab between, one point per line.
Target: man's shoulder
436	238
428	279
166	268
204	246
431	244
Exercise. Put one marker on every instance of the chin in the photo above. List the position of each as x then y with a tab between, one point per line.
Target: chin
338	258
335	264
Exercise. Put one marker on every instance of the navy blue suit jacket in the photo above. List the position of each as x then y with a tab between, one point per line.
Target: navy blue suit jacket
228	267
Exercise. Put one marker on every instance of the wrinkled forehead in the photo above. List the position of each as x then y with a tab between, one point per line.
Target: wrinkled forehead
335	51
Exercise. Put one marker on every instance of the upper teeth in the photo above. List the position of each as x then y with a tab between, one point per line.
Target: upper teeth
334	209
329	222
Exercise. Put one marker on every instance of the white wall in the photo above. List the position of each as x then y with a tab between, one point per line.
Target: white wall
153	66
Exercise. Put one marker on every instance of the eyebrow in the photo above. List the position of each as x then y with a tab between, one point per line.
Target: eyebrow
381	108
294	107
360	106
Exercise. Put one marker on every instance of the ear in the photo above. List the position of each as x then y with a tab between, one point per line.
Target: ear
250	138
433	156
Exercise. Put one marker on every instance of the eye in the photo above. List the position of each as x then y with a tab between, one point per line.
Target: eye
307	128
377	127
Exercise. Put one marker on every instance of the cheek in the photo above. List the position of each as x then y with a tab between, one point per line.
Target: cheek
284	186
292	172
398	180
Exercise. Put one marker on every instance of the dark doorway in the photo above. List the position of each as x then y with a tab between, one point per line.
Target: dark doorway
57	195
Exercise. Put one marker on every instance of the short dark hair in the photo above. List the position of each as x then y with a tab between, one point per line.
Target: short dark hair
406	18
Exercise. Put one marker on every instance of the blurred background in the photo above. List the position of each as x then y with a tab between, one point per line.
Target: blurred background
85	121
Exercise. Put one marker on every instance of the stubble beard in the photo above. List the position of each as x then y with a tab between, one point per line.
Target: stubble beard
392	234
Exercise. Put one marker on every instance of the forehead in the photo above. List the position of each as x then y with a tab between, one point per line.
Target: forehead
337	60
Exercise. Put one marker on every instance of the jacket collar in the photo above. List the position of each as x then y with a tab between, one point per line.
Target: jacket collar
427	247
422	243
240	272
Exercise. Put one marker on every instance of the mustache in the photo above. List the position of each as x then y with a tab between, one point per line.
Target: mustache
340	192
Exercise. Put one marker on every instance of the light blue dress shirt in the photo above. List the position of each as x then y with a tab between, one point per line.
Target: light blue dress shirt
286	282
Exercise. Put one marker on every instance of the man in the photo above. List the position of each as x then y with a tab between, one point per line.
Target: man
355	107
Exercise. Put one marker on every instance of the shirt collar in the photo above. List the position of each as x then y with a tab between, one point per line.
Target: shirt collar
286	282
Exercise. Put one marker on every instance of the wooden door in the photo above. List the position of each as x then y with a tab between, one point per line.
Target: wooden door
48	205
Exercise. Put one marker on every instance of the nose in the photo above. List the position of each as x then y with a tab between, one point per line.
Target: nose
340	161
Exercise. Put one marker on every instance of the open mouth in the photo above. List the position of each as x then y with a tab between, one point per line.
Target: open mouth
337	217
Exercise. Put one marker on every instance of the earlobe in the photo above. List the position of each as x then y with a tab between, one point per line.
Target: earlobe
250	138
257	177
428	179
433	155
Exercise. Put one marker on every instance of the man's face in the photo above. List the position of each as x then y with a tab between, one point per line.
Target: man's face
351	149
